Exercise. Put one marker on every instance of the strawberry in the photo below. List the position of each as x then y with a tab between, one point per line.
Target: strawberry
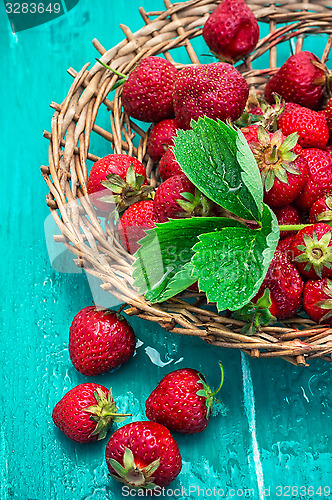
168	166
284	172
182	401
143	455
147	90
317	300
134	221
100	340
177	197
310	126
328	114
312	247
285	246
216	90
231	32
160	137
127	174
319	180
321	210
301	79
86	412
289	215
285	285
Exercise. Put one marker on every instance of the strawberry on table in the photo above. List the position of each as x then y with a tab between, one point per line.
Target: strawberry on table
319	177
317	300
168	166
312	247
86	412
283	169
177	198
182	401
125	174
134	221
143	455
301	79
161	136
216	90
310	125
285	285
321	210
100	340
231	31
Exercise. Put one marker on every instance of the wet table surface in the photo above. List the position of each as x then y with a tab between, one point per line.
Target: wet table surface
275	439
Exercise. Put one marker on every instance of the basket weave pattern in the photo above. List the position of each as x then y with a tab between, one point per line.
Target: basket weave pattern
75	120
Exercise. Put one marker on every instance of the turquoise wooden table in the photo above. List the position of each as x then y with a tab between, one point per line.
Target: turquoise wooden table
274	441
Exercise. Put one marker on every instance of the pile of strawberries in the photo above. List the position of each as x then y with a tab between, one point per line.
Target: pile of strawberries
140	454
288	129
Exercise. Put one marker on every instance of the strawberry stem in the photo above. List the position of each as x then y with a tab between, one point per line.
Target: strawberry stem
293	227
121	75
221	381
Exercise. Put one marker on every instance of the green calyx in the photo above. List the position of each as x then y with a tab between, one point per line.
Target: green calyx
195	205
270	114
121	81
256	314
327	303
132	474
128	191
104	413
327	215
274	156
315	253
208	394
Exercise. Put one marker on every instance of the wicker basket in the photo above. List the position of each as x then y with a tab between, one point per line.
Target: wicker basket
98	250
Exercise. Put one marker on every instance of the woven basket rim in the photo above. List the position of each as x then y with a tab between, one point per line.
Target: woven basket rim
99	252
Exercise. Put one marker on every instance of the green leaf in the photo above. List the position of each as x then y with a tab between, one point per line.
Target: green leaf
162	267
231	264
218	160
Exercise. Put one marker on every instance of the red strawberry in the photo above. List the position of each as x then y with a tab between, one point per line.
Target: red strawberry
285	246
168	166
284	172
320	177
86	412
301	79
99	341
231	31
216	90
115	165
321	210
317	300
160	137
287	216
182	401
312	247
134	221
177	197
143	455
285	285
310	126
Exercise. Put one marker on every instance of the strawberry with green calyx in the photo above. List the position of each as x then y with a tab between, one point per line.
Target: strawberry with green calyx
317	300
178	198
147	90
86	412
231	31
143	455
260	112
283	171
126	191
117	164
256	314
321	210
182	401
312	247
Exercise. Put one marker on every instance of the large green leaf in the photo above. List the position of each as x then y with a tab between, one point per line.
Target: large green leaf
218	160
162	267
232	263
